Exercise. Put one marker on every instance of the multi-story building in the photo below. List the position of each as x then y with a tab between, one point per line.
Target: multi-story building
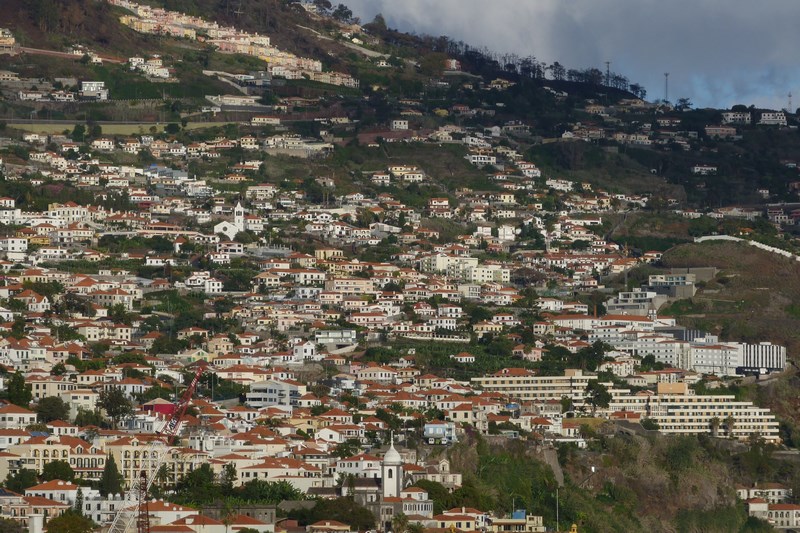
350	286
487	274
772	118
678	411
764	355
274	392
525	385
737	117
518	524
636	302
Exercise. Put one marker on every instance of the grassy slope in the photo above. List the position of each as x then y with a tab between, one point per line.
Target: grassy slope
751	299
581	161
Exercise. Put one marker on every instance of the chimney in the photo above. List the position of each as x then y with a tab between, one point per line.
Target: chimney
35	523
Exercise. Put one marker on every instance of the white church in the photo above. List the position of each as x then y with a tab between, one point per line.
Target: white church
241	222
388	494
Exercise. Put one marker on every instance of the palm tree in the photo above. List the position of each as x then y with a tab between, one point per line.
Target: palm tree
715	426
730	422
416	527
228	514
399	523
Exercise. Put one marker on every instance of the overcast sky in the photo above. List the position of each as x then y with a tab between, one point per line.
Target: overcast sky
718	52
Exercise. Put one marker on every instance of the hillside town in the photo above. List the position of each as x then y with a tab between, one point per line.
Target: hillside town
171	309
90	295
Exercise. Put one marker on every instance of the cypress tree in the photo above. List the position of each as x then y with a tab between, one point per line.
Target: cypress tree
111	480
79	502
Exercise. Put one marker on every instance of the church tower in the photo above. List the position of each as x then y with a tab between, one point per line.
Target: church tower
392	472
238	216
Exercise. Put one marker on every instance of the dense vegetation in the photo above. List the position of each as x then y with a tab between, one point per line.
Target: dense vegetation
638	484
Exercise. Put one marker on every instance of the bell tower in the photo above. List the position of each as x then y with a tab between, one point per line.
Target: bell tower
392	472
238	216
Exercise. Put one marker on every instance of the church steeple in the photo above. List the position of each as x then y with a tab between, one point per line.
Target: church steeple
238	216
392	471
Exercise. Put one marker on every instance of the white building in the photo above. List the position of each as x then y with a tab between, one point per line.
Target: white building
772	118
274	392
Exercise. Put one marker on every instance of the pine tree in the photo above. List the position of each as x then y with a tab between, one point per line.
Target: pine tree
111	480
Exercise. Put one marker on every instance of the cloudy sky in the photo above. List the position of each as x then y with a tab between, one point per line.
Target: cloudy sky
718	52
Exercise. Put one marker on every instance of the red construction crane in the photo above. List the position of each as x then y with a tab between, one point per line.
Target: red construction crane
152	459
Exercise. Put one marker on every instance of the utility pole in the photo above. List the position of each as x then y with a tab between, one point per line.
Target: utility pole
558	522
666	86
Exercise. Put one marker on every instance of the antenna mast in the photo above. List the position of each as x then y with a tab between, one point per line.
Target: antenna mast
666	86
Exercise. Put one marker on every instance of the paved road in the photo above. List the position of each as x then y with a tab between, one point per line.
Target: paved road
366	51
65	55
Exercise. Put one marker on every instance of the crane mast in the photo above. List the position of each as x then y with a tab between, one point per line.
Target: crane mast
134	506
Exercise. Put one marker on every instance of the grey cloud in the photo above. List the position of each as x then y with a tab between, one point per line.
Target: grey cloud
718	52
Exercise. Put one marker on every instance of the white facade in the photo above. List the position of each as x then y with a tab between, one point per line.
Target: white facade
274	392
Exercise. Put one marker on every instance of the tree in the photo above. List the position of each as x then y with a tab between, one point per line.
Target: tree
347	448
649	424
557	70
58	470
228	477
19	392
70	522
88	418
95	130
597	395
262	491
416	527
378	24
342	13
199	486
115	403
715	426
10	526
399	523
52	408
111	480
683	104
566	404
78	507
344	510
22	480
119	314
162	477
78	133
438	493
730	424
